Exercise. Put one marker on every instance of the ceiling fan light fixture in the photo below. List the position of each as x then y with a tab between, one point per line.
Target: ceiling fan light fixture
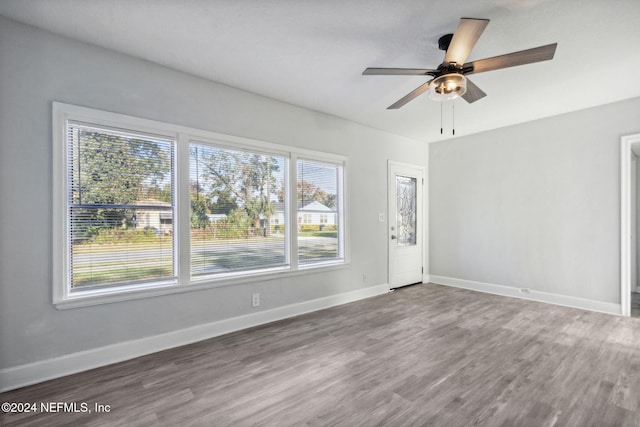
448	86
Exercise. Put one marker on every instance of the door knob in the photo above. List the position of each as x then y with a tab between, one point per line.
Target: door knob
393	237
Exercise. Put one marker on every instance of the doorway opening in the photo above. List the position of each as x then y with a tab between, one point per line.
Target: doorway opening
629	226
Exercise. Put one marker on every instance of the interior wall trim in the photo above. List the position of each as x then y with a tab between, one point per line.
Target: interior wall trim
530	294
626	143
32	373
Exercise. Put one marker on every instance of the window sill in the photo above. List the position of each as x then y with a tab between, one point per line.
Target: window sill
90	298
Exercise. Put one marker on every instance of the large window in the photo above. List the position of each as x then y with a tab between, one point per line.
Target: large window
318	203
238	215
120	207
143	207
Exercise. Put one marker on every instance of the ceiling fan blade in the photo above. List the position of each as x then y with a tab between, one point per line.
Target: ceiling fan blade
473	92
398	71
464	39
410	96
528	56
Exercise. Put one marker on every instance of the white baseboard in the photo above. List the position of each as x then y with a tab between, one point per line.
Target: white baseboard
32	373
509	291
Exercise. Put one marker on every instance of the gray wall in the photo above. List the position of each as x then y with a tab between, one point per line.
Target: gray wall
37	68
535	205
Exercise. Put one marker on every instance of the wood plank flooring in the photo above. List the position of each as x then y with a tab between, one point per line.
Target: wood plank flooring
425	355
635	304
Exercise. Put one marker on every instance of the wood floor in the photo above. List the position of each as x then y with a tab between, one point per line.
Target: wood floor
635	304
425	355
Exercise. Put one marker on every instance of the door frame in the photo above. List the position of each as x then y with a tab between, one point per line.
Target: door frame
425	216
626	155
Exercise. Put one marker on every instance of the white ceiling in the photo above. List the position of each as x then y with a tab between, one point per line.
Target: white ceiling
312	53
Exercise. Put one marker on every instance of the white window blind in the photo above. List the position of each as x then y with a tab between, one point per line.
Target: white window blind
238	215
120	207
318	212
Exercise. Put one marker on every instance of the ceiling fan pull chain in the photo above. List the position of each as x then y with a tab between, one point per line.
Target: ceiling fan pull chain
440	117
453	117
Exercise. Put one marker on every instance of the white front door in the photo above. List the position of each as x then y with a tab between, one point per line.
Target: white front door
406	183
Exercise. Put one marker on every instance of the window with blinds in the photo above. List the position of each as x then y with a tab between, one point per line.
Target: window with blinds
319	212
238	215
143	207
120	207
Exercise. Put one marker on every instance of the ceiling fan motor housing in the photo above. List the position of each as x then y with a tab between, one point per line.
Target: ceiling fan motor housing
445	41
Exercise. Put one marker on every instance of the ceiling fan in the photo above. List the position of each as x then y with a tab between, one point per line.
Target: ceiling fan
449	79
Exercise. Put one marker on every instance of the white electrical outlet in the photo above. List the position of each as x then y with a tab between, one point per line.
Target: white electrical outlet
255	300
381	217
525	291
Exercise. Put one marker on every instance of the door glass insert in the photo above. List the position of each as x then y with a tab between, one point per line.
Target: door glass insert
406	210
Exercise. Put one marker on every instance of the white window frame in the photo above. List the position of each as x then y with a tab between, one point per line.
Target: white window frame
341	214
222	144
63	298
